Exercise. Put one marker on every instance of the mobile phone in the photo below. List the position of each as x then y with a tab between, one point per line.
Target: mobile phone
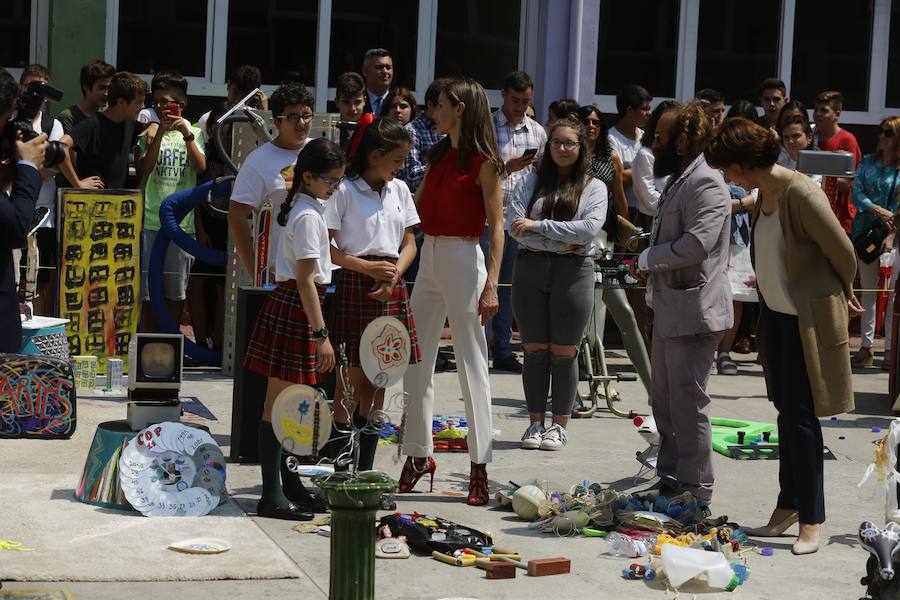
173	109
529	153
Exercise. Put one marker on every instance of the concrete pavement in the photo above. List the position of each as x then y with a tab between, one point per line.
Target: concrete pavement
601	450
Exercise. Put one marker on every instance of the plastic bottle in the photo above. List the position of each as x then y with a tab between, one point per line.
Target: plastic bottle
622	546
684	564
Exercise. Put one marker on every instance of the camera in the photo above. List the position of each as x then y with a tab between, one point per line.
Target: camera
29	105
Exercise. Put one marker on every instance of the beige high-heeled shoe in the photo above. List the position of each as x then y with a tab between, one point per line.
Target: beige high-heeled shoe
773	529
799	548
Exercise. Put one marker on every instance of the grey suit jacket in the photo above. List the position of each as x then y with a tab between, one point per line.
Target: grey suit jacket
688	255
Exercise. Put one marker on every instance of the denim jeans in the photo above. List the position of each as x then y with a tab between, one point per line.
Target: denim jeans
501	323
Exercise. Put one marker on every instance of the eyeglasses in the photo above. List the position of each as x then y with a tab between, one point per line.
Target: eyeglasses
164	102
887	132
567	145
294	117
594	122
332	182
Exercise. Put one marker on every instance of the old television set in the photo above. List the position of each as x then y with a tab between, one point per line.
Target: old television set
155	366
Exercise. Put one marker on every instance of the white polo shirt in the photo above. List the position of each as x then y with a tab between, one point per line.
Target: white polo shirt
367	223
627	149
304	236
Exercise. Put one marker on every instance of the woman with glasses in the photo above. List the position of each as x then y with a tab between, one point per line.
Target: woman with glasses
290	342
606	166
370	219
460	192
555	215
401	105
876	195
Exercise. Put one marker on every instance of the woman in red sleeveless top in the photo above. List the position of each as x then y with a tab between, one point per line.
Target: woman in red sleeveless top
460	191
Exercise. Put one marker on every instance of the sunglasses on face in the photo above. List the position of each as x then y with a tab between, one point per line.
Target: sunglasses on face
594	122
332	182
888	133
295	118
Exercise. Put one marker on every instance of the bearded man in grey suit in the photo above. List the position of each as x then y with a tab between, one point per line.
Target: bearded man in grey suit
689	293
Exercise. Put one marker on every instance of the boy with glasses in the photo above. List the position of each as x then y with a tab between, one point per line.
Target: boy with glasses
172	156
267	174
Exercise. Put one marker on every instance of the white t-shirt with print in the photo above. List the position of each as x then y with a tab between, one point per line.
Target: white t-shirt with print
47	195
267	174
304	236
368	223
627	149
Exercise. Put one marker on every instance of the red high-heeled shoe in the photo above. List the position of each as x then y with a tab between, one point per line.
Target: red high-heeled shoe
411	474
478	485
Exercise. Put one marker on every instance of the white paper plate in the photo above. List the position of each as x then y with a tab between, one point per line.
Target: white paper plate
201	546
300	418
384	351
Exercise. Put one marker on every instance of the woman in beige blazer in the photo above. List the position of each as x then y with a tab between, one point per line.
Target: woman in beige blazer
805	265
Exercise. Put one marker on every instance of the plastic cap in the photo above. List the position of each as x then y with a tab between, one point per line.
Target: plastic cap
735	581
767	551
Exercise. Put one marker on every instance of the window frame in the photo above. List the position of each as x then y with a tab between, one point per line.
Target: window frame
213	82
38	36
686	60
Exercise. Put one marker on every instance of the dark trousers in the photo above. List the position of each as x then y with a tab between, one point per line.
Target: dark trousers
800	447
501	323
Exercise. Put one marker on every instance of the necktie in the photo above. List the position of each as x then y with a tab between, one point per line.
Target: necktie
376	106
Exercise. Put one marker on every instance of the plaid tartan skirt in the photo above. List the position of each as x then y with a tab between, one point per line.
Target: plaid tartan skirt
351	310
282	343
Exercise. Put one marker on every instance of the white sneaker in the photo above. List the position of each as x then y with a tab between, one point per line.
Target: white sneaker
533	436
554	438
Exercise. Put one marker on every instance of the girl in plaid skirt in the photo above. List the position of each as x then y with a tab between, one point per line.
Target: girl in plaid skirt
290	343
370	219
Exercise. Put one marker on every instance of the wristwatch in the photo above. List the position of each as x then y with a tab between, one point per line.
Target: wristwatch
189	137
320	334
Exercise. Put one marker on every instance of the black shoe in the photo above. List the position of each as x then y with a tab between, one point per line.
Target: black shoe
291	512
296	492
663	487
442	364
510	364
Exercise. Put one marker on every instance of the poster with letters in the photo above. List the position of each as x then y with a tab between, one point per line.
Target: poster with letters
100	270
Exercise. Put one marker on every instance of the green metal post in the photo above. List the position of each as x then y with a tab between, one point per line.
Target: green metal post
77	36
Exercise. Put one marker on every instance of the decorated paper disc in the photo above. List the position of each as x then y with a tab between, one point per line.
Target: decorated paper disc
169	469
301	420
384	351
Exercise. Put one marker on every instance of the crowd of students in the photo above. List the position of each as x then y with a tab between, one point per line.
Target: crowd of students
456	199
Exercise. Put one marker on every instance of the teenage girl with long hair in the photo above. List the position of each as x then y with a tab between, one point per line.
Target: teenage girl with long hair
461	191
370	218
555	214
290	343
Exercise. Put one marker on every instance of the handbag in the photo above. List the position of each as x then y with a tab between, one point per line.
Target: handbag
868	243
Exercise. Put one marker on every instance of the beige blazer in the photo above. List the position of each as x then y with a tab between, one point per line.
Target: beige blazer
688	255
821	266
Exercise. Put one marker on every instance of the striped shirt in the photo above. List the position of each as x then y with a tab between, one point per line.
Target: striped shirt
424	135
512	142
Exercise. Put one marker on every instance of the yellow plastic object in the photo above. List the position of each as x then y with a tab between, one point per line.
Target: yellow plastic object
685	540
464	560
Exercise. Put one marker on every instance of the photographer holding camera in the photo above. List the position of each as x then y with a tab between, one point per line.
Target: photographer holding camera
20	184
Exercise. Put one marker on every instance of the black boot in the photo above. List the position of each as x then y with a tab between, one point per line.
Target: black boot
292	486
273	503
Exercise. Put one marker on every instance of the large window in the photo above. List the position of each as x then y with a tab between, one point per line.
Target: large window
15	31
478	39
162	34
638	43
278	36
893	79
737	46
358	25
832	47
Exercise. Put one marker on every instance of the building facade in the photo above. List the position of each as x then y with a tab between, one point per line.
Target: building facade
583	49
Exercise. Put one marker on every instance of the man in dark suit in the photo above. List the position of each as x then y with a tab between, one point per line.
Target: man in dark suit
378	71
16	212
691	299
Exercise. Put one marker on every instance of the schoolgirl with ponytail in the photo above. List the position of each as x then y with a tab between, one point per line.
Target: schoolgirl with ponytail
290	342
370	219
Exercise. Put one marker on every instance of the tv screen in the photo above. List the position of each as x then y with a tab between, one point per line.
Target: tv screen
158	361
